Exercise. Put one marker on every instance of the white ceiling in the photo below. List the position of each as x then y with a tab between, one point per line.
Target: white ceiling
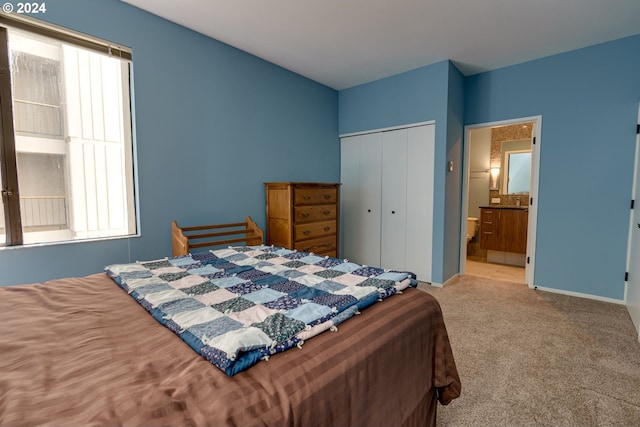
343	43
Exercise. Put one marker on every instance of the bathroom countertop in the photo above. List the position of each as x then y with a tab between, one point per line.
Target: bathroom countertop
523	208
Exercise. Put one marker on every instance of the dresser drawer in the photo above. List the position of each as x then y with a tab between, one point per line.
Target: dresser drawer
487	226
315	196
319	246
314	213
489	214
314	229
488	219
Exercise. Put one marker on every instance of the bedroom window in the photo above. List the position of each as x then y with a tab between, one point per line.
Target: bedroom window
66	152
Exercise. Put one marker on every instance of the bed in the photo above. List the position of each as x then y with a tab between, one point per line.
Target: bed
81	351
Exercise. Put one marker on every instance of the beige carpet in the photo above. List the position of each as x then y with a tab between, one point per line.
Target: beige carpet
534	358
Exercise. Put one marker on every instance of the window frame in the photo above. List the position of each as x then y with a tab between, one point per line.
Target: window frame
8	152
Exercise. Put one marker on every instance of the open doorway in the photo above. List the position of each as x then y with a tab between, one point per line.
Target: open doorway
499	206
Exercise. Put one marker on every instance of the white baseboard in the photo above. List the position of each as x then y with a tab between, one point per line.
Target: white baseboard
455	277
580	295
451	280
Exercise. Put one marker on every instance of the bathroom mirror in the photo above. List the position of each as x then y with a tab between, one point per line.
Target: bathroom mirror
515	167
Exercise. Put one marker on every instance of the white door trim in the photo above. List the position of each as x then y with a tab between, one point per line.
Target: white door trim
634	192
410	125
533	193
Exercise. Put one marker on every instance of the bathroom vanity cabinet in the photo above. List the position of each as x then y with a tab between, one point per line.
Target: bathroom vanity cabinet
504	229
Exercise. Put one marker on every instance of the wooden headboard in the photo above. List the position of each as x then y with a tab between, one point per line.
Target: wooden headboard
184	239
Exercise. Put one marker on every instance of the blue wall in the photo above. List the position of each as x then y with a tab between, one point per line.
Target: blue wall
434	92
212	122
588	99
453	181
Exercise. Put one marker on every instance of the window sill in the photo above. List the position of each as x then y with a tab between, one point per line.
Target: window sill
68	242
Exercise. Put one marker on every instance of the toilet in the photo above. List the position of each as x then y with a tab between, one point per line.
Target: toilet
472	227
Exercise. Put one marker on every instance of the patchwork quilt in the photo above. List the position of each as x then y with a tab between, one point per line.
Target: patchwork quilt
239	305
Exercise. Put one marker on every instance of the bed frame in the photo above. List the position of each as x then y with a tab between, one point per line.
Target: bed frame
102	374
182	238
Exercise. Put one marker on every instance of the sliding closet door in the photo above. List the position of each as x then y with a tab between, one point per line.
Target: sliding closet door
361	176
394	199
387	199
370	198
349	195
420	165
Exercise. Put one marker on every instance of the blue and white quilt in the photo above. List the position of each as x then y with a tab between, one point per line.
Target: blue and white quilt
239	305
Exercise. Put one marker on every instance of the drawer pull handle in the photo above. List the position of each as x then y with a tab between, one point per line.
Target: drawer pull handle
327	196
306	232
306	197
488	232
488	222
326	212
327	228
306	214
393	212
369	210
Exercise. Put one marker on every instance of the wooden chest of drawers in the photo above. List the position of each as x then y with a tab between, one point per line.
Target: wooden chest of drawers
303	216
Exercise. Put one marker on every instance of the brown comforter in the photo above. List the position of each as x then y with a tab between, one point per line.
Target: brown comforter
82	352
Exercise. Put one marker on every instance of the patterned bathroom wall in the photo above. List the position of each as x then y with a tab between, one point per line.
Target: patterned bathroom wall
499	135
